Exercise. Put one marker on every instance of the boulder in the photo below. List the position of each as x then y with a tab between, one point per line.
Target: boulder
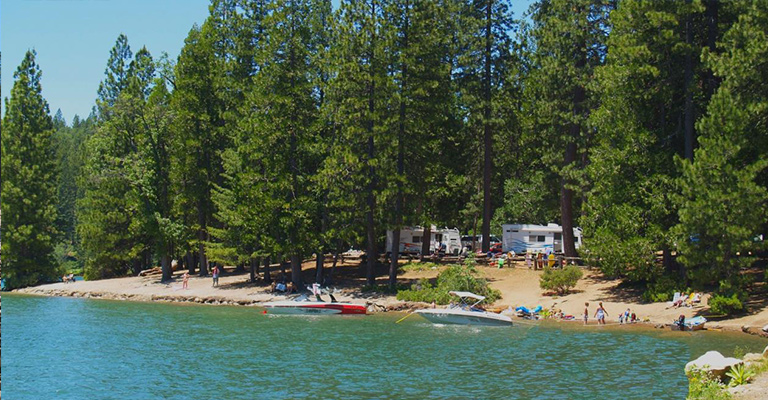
765	352
713	362
765	329
753	357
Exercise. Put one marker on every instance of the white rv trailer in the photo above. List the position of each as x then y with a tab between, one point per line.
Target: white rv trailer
412	238
535	238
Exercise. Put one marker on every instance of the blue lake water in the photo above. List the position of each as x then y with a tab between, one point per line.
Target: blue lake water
65	348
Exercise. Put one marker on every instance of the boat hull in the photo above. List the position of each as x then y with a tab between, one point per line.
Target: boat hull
463	317
313	308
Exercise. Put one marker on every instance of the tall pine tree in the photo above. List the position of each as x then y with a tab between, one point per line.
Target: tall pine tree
29	181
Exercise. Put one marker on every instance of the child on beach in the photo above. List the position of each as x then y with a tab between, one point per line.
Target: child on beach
185	284
600	314
586	312
216	275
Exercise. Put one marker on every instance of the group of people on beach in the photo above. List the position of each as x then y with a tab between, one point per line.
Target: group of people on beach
686	300
215	272
624	318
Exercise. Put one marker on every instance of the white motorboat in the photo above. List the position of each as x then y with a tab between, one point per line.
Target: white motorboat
464	313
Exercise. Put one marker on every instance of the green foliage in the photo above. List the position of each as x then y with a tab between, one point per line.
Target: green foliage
68	259
703	386
724	305
456	277
662	289
384	289
739	375
740	351
419	266
723	192
29	177
560	280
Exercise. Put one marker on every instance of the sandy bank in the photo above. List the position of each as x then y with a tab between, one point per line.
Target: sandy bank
518	286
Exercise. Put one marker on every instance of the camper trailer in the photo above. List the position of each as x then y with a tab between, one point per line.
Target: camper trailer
412	238
534	238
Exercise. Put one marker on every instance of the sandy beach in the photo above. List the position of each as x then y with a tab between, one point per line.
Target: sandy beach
519	286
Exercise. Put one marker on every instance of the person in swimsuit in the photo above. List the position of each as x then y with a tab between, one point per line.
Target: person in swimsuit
216	275
600	314
185	284
586	312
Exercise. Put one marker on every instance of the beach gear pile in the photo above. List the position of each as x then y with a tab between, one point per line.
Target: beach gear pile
524	312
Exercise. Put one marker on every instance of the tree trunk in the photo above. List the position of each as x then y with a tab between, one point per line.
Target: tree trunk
189	259
319	264
395	250
267	271
254	264
296	276
333	267
136	267
165	263
566	194
688	78
202	237
426	242
370	228
203	259
474	233
394	255
487	133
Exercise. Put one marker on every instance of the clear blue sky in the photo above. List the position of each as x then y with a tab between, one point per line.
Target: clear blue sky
73	39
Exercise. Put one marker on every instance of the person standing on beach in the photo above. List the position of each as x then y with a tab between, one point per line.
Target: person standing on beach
586	312
600	314
185	283
215	275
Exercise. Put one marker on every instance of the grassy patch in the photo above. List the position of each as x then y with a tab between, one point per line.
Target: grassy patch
419	266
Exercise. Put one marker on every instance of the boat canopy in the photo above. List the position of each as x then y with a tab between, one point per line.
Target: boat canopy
468	294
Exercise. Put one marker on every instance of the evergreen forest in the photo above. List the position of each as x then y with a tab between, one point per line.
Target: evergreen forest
287	128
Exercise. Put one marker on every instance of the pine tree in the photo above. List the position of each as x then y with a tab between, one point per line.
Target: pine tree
361	93
724	191
483	58
569	37
124	215
29	181
424	132
116	74
196	165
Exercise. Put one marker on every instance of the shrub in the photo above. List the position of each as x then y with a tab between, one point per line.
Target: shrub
662	289
702	386
725	305
456	277
739	375
561	281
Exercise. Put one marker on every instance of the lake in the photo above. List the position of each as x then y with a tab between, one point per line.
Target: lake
66	348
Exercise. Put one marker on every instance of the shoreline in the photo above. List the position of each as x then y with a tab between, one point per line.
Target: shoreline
519	286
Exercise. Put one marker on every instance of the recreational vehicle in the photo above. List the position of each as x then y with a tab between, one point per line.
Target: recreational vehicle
535	238
412	238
